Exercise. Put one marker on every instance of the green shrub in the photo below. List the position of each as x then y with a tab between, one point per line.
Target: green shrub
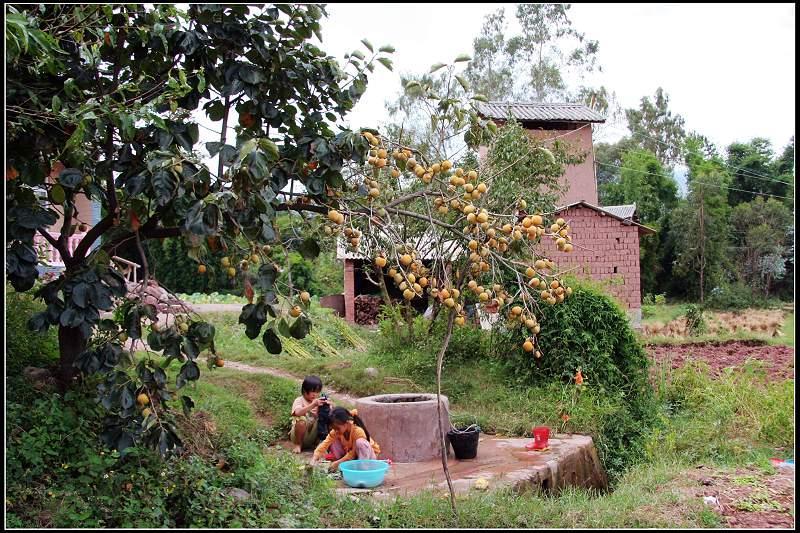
591	332
588	331
661	299
737	295
722	418
24	347
695	321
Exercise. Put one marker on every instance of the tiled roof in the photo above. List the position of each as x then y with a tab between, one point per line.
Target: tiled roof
540	112
622	211
613	211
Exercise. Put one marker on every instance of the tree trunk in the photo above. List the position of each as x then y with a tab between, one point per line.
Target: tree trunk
70	344
387	300
702	249
442	443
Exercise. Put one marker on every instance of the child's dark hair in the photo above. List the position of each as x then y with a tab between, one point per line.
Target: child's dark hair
311	384
340	414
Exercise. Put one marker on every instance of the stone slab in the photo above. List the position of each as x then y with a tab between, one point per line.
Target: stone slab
571	461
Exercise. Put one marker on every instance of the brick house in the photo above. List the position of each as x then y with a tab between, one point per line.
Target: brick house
605	239
88	214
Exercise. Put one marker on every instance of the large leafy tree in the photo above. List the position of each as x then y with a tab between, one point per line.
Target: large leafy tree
762	230
100	102
700	225
655	128
128	79
756	172
536	64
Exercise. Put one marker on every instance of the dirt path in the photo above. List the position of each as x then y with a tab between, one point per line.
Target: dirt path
241	367
748	497
217	308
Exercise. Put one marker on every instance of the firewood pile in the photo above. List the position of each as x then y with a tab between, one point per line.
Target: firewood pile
367	308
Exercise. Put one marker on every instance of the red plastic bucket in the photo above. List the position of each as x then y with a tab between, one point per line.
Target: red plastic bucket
541	435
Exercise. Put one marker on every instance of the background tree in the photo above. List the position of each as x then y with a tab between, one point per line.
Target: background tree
762	230
540	63
608	161
645	182
655	128
700	224
755	171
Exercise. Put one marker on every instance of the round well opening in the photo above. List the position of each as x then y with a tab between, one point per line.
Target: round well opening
410	398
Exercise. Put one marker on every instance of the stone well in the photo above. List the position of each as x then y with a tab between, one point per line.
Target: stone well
404	425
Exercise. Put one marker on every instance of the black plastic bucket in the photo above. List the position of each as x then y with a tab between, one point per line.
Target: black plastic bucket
464	443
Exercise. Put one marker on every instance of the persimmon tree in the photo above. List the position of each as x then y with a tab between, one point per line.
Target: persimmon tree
101	99
479	248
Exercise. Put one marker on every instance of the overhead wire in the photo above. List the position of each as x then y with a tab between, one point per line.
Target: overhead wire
693	181
746	172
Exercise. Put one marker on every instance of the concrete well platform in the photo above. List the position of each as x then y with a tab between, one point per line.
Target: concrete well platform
571	461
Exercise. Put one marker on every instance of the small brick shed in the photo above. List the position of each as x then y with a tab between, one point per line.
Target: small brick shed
605	249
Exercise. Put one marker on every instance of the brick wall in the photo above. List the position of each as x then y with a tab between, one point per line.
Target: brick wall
605	250
581	180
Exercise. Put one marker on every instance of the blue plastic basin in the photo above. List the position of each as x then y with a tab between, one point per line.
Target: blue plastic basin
363	473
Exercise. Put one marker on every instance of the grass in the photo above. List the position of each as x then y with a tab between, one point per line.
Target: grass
650	495
653	497
737	419
787	337
666	313
662	313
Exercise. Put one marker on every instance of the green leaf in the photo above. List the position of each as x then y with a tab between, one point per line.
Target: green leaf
283	328
463	57
189	372
386	62
358	54
300	328
214	147
79	294
70	177
266	277
270	147
462	82
165	186
480	98
367	44
272	342
246	148
56	104
387	48
201	82
188	404
309	248
436	67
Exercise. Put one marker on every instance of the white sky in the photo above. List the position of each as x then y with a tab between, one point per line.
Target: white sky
728	69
